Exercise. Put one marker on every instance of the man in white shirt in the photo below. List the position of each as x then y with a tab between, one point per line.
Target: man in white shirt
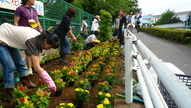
92	40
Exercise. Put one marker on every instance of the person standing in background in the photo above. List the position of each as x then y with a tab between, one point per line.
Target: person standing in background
130	20
26	15
84	28
95	24
116	30
62	30
122	24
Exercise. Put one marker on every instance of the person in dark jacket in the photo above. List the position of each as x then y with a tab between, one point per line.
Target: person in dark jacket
122	24
62	30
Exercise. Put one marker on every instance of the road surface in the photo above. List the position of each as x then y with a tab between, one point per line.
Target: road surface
177	54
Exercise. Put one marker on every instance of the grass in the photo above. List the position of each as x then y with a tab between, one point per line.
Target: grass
188	46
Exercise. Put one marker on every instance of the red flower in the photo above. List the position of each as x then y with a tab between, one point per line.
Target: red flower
22	99
21	88
73	73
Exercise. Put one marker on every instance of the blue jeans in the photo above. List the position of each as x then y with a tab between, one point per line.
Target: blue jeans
64	45
9	59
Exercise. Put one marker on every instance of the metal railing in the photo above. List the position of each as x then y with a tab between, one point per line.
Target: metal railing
152	97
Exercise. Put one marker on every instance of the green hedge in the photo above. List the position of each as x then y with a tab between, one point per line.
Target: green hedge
181	36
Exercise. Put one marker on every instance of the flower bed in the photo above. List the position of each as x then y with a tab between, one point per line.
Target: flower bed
89	63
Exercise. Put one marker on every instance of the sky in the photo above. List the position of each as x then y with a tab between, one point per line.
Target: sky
157	7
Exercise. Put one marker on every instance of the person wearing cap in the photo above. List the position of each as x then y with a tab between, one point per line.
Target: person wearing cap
95	24
62	30
92	40
14	37
84	28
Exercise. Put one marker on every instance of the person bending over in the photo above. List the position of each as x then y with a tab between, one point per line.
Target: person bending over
14	37
92	40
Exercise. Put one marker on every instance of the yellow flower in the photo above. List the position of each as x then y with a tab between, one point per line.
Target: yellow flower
77	89
108	95
81	81
86	91
82	90
100	106
70	104
100	93
62	104
106	101
26	100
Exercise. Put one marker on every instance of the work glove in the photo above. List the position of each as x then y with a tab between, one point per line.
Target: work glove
97	41
73	38
46	78
123	27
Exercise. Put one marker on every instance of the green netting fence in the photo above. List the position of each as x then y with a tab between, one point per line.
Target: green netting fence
53	12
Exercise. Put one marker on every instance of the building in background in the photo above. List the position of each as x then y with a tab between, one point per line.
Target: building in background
148	20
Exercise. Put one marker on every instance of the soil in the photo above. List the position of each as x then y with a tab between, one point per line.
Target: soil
68	92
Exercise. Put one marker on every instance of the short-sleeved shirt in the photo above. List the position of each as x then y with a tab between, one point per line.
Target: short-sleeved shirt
25	13
20	37
63	27
95	25
90	38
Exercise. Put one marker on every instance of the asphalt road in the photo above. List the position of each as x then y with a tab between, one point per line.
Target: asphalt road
177	54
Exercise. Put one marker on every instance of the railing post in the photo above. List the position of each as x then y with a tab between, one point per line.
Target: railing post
128	69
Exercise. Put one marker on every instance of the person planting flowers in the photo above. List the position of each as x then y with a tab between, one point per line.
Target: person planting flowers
92	40
14	37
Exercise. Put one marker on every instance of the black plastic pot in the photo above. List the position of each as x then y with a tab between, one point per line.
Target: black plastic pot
71	83
58	92
78	104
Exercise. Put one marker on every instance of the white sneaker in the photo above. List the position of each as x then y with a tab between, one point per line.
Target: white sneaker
121	46
30	71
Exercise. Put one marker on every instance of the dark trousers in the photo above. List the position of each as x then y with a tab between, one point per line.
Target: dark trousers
121	37
90	45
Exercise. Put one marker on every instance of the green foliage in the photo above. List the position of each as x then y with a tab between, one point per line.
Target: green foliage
82	95
41	98
103	86
59	83
94	6
19	92
84	84
80	45
181	36
166	17
188	46
105	26
1	73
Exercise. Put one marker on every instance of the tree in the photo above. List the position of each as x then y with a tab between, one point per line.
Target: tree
175	19
94	6
105	25
166	17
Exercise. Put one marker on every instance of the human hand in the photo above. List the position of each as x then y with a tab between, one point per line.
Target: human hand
46	78
73	38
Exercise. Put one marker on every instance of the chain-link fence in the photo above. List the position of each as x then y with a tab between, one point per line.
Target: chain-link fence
53	12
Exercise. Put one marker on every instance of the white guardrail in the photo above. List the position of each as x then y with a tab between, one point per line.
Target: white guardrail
152	97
